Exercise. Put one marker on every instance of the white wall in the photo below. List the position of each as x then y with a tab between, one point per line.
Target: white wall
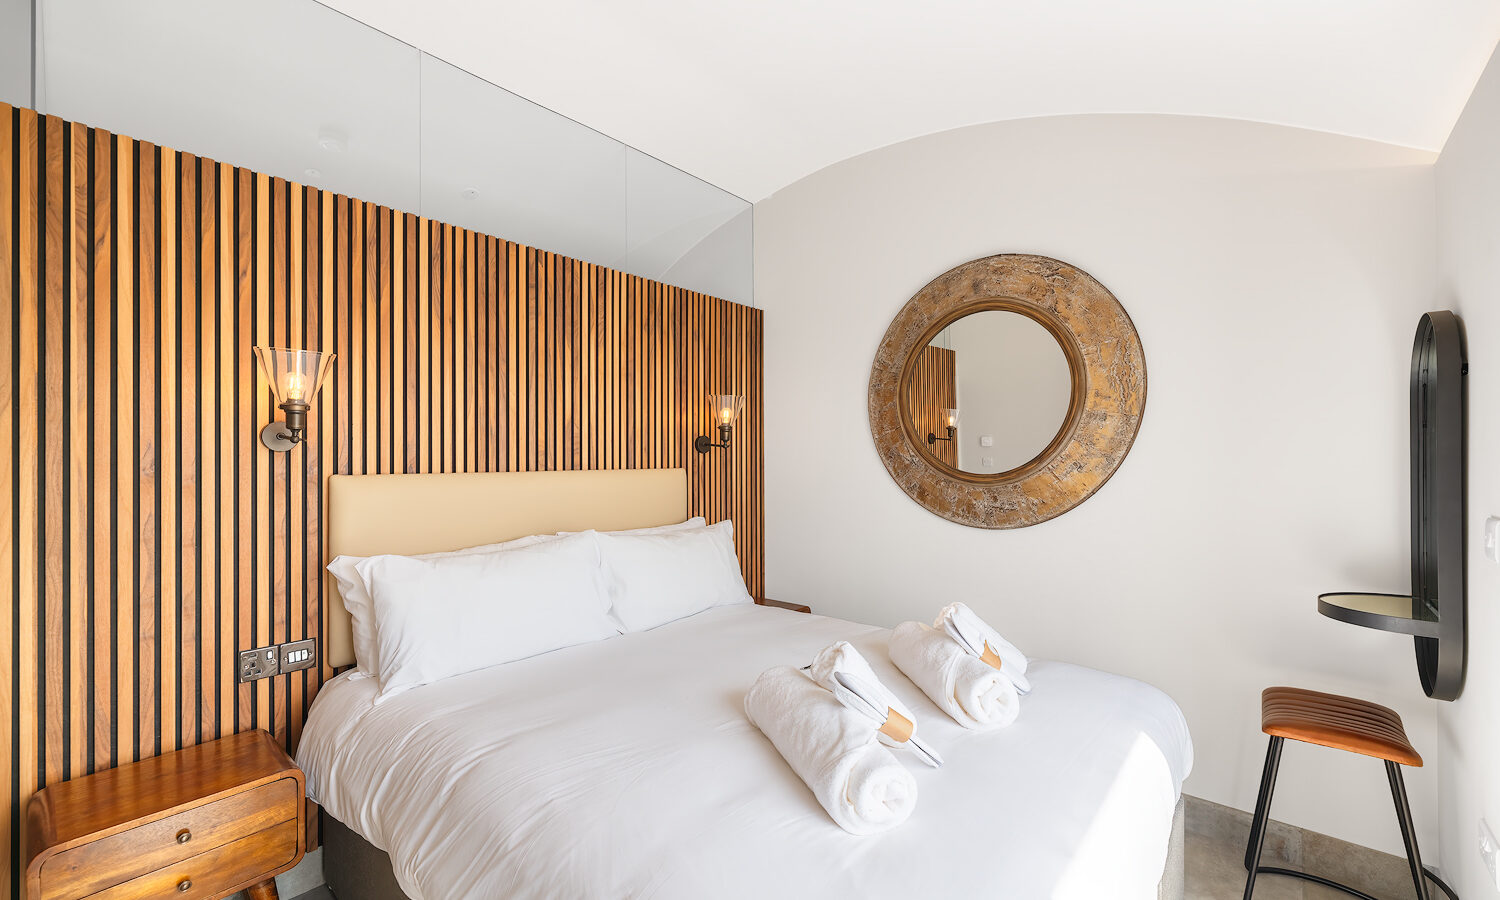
1468	191
1276	277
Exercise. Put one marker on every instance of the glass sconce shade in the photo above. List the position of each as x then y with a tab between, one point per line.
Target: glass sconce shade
948	421
727	409
295	377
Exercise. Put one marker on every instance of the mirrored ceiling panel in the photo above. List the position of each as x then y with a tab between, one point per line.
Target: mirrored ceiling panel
685	231
294	89
500	164
284	87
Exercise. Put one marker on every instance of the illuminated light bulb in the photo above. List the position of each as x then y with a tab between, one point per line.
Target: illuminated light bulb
294	386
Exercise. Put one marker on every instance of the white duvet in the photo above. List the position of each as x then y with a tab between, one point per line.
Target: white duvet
626	768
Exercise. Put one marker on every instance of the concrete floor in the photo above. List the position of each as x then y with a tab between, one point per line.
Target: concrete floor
1216	871
1216	837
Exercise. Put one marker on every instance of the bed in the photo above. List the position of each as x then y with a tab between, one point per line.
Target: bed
627	768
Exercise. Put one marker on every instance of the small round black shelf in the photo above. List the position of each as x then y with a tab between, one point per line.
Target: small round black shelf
1386	612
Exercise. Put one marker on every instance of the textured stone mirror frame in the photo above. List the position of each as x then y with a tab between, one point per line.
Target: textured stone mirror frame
1108	369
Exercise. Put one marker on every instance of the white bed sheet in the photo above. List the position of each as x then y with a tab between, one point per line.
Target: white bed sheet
626	768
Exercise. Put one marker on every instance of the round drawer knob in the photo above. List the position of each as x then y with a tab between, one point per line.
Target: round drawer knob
184	836
184	885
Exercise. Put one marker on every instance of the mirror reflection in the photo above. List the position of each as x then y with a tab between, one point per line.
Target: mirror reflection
990	392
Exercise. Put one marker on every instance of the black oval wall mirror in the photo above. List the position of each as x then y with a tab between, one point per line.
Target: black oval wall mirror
1436	611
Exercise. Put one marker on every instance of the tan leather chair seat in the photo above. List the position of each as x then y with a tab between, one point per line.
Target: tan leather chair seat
1343	723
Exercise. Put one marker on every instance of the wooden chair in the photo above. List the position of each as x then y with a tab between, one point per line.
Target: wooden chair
1342	723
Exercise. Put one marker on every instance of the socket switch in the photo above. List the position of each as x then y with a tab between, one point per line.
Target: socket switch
259	663
298	655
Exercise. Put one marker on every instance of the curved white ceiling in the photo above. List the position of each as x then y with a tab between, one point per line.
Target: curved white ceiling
753	96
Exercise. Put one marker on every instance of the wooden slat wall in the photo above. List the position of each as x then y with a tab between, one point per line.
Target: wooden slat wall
147	535
933	389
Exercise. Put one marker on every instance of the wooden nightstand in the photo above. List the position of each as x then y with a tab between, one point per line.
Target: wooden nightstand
794	607
199	823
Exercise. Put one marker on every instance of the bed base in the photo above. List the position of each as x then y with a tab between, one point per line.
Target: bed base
357	870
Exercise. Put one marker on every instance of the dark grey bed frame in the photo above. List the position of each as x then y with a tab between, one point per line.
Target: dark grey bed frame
357	870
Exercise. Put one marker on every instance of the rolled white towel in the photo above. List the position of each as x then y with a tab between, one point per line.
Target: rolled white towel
975	635
975	694
842	657
833	750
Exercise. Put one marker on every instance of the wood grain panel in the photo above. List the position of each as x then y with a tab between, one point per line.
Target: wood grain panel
934	388
147	535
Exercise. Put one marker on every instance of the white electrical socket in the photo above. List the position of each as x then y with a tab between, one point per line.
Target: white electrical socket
1492	539
1488	849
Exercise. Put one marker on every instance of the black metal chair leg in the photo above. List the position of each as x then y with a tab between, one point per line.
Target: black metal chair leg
1266	778
1408	833
1258	827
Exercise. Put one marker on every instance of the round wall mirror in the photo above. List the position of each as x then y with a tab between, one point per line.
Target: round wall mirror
1007	391
991	391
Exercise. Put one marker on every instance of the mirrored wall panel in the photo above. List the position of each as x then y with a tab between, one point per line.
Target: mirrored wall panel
285	87
500	164
15	53
297	90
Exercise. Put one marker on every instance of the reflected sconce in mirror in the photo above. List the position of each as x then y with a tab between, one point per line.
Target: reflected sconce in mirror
726	409
950	422
295	377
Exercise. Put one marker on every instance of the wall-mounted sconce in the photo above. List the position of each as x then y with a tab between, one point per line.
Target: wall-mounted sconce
950	420
295	376
726	409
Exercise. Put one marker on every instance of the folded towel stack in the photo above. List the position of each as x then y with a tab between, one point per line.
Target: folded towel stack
833	750
964	666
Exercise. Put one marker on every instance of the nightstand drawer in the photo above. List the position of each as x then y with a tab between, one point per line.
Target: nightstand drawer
216	872
109	861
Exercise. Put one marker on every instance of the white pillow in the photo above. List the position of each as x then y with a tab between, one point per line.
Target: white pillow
659	578
356	595
436	618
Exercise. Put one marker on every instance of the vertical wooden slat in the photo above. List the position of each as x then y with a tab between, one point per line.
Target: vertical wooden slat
122	588
143	421
78	497
244	584
187	429
278	333
101	402
28	541
230	438
208	409
10	608
53	498
165	439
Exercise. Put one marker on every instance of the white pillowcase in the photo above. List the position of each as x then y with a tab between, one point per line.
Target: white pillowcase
659	578
436	618
356	595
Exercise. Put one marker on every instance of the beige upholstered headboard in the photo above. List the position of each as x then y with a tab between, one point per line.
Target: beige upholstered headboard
410	514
